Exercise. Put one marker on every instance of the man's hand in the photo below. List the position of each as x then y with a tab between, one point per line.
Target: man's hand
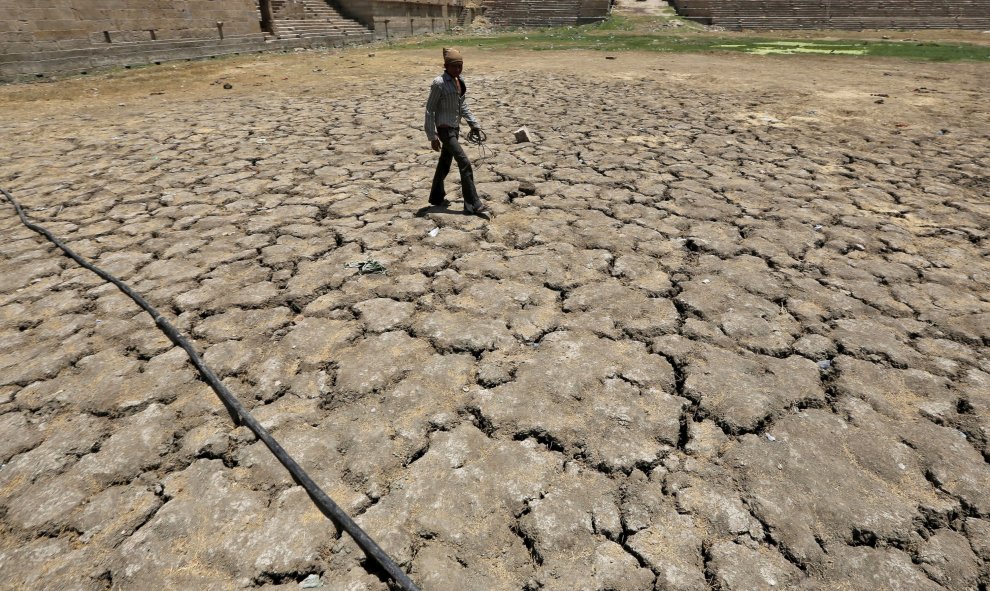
435	144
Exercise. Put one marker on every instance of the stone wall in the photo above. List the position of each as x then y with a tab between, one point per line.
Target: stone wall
41	37
403	18
46	25
593	10
838	14
545	13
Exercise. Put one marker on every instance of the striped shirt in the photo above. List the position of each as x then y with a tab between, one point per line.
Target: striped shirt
445	108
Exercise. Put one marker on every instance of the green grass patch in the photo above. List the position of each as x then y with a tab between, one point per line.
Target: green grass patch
938	52
614	23
620	33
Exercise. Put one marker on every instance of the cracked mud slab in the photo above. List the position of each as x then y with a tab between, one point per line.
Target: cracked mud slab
728	328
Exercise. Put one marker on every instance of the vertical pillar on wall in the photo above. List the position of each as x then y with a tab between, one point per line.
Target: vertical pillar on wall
267	17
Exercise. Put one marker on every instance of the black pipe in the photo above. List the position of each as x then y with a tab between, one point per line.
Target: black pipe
239	414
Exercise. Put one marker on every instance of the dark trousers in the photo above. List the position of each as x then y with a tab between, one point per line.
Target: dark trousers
452	150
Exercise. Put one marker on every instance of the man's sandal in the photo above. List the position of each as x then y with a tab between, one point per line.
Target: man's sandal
478	207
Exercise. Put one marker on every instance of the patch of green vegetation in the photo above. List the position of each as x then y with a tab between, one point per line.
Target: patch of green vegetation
791	47
614	22
621	33
923	51
938	52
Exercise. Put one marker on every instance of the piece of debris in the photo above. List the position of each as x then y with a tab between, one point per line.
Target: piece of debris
368	267
434	232
311	582
522	135
527	188
227	85
771	437
825	364
372	54
610	57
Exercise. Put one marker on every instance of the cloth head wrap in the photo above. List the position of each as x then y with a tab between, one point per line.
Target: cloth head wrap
451	56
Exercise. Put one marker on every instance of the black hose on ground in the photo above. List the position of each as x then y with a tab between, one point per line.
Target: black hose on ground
239	414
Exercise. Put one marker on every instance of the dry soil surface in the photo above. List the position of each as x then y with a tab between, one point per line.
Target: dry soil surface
727	329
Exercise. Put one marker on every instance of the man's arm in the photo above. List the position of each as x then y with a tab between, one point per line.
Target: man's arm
468	115
430	125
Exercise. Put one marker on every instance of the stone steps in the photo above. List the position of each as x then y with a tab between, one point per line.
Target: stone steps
301	19
643	7
533	13
838	14
287	28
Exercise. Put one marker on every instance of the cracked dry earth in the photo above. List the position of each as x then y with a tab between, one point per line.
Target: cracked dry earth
727	330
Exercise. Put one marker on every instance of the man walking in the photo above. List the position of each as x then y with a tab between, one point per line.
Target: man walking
444	108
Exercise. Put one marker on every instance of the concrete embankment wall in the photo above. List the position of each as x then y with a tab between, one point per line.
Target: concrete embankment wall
838	14
43	37
404	18
39	37
47	25
545	13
